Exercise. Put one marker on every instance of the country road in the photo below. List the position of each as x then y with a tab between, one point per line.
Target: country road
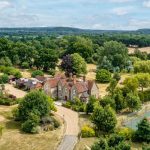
70	117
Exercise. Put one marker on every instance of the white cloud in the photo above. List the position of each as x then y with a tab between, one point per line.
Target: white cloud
120	1
120	11
146	3
5	4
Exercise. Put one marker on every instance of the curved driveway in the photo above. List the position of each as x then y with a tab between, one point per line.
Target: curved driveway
70	117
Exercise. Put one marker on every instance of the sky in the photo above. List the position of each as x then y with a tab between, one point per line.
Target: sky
86	14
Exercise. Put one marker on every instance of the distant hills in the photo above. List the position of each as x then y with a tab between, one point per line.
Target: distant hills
63	31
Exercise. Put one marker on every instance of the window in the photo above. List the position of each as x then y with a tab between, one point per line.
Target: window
74	92
59	88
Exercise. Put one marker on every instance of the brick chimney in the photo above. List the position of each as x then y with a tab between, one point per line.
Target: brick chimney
84	78
70	76
74	79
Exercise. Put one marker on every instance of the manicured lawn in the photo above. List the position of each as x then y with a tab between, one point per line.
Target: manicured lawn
14	139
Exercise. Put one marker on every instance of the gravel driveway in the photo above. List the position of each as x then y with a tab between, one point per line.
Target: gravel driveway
14	91
71	119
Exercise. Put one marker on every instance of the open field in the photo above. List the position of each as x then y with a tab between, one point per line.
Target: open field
14	139
144	49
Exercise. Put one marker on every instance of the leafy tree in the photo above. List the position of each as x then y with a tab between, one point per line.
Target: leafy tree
25	65
112	86
47	59
141	55
119	99
142	134
4	78
37	73
106	64
115	53
67	64
133	101
131	84
143	80
142	66
107	100
5	61
103	76
114	140
78	64
74	64
82	46
90	104
104	119
35	102
117	76
100	145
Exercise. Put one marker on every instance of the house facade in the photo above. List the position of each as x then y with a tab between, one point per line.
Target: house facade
63	88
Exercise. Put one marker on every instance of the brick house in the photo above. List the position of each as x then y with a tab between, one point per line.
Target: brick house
63	88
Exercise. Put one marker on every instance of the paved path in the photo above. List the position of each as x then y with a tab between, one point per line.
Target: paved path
72	129
70	117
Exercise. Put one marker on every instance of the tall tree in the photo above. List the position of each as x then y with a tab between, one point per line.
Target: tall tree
104	119
114	54
142	134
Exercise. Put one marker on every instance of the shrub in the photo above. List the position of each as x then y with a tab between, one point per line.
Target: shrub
103	76
25	65
107	100
127	133
5	61
114	140
56	123
4	79
11	71
145	95
30	124
100	145
37	73
117	76
7	101
67	104
87	131
142	66
142	134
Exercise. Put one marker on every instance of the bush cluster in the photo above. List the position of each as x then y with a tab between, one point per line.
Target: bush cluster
87	131
11	71
37	73
103	76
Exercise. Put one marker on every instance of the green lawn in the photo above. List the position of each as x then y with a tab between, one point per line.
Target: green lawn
14	139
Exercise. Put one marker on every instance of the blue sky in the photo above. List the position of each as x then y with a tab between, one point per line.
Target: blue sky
88	14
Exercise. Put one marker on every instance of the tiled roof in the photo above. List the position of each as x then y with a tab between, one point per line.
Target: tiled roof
81	87
53	82
41	78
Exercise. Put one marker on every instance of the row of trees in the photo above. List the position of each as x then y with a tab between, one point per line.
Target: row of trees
43	53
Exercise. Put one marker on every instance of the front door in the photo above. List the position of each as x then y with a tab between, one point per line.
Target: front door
66	98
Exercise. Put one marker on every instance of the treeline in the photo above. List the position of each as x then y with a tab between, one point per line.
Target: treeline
44	52
139	40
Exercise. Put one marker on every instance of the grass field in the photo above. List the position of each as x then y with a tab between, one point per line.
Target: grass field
144	49
14	139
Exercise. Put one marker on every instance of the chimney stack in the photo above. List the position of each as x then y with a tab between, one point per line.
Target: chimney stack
70	76
74	79
84	78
